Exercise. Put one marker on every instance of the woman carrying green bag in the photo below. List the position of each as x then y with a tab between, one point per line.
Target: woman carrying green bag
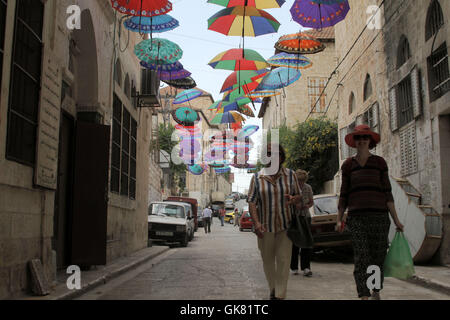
366	193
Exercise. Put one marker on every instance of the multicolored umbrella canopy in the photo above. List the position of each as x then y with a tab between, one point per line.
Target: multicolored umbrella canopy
169	75
299	43
247	111
243	21
290	60
156	24
260	4
247	131
142	8
185	116
228	117
223	170
158	51
279	78
187	95
315	15
263	94
239	59
328	1
198	169
186	83
241	78
215	105
177	66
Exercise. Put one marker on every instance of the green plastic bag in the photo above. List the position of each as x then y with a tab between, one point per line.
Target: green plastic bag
399	263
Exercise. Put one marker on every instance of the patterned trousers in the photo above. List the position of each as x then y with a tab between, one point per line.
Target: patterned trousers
369	235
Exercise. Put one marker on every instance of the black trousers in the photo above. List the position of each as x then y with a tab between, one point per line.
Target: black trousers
207	223
305	258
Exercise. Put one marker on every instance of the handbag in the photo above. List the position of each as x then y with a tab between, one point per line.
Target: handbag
300	233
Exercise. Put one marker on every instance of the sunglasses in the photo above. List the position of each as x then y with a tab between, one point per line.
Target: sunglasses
364	137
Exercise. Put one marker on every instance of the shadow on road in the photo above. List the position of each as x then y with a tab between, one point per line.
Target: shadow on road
342	255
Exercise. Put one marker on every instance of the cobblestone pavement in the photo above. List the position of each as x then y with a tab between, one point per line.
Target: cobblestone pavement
226	265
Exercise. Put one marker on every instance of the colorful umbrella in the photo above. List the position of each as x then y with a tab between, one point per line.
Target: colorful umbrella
315	15
299	43
247	131
187	95
290	60
186	83
246	110
228	107
185	116
239	59
222	170
279	78
263	94
227	117
243	21
158	51
241	78
156	24
215	105
197	169
190	129
170	75
142	8
328	1
177	66
260	4
240	100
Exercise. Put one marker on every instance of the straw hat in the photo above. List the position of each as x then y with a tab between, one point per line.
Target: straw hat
363	130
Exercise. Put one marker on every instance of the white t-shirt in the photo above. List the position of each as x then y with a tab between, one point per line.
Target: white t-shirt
207	213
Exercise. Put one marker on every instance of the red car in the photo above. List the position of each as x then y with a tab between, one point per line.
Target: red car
246	221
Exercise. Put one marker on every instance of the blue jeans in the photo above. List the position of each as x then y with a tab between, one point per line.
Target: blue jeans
222	220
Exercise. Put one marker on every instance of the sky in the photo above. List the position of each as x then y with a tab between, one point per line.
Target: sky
201	45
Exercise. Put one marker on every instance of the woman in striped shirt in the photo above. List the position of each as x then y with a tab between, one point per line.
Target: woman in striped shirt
366	193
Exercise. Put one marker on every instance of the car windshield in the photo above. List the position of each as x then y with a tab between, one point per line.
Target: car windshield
170	210
326	205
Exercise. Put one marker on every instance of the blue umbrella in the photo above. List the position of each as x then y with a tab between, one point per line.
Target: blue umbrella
187	95
156	24
290	60
279	78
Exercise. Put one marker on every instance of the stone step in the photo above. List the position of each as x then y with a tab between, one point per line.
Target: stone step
416	198
427	209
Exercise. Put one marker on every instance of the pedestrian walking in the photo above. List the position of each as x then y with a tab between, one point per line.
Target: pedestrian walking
272	197
207	216
303	209
236	217
366	193
222	216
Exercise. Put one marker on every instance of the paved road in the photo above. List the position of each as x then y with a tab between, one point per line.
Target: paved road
226	265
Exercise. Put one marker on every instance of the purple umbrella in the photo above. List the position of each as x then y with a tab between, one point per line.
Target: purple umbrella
315	15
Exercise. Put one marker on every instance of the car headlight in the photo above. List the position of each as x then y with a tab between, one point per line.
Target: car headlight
181	228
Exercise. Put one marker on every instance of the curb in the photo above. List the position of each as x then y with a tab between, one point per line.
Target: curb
109	276
430	284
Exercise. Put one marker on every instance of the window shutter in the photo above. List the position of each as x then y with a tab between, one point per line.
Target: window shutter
359	120
416	92
393	108
408	150
376	116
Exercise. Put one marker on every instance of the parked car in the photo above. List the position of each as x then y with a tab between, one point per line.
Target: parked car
229	203
229	217
170	222
246	221
194	207
323	223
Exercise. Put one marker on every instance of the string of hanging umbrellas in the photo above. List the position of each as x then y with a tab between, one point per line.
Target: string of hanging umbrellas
251	79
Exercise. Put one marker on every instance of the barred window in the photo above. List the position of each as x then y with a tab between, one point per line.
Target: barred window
404	53
316	87
124	150
405	102
438	73
3	4
435	19
367	88
25	82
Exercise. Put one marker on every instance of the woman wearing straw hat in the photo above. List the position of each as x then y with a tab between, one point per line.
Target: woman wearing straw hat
366	193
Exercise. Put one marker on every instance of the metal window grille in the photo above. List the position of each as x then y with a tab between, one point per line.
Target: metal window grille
367	88
405	102
439	76
435	19
316	87
25	82
3	5
408	150
404	52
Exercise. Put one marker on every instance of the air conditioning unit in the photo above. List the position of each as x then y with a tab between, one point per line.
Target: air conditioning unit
149	95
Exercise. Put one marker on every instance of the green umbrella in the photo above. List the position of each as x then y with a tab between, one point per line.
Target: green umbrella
185	116
158	51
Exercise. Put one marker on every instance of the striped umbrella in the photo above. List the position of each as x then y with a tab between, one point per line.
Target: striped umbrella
260	4
239	59
228	117
241	78
263	94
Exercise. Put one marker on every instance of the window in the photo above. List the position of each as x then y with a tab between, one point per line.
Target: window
351	103
127	88
346	150
25	82
438	73
118	73
316	87
367	88
124	150
408	150
405	106
3	4
435	20
404	53
370	117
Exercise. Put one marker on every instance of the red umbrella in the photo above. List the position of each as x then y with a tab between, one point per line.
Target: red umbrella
143	8
241	78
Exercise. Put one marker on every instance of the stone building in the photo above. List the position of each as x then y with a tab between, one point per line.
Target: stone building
396	79
301	99
74	156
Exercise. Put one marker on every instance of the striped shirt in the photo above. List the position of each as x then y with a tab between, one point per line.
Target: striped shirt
267	192
365	190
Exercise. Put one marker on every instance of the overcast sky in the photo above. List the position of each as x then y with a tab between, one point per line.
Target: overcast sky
201	45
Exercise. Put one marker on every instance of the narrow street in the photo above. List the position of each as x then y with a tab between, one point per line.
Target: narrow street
225	265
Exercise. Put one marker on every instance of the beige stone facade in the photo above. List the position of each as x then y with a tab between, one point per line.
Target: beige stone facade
78	82
295	103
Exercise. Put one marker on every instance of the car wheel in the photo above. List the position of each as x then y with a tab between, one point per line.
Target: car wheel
185	242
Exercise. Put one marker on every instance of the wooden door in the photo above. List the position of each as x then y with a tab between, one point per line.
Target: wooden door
90	199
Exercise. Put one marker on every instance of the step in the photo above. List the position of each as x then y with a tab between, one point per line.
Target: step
427	209
416	198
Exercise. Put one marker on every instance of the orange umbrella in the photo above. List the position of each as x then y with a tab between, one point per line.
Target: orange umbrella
299	43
